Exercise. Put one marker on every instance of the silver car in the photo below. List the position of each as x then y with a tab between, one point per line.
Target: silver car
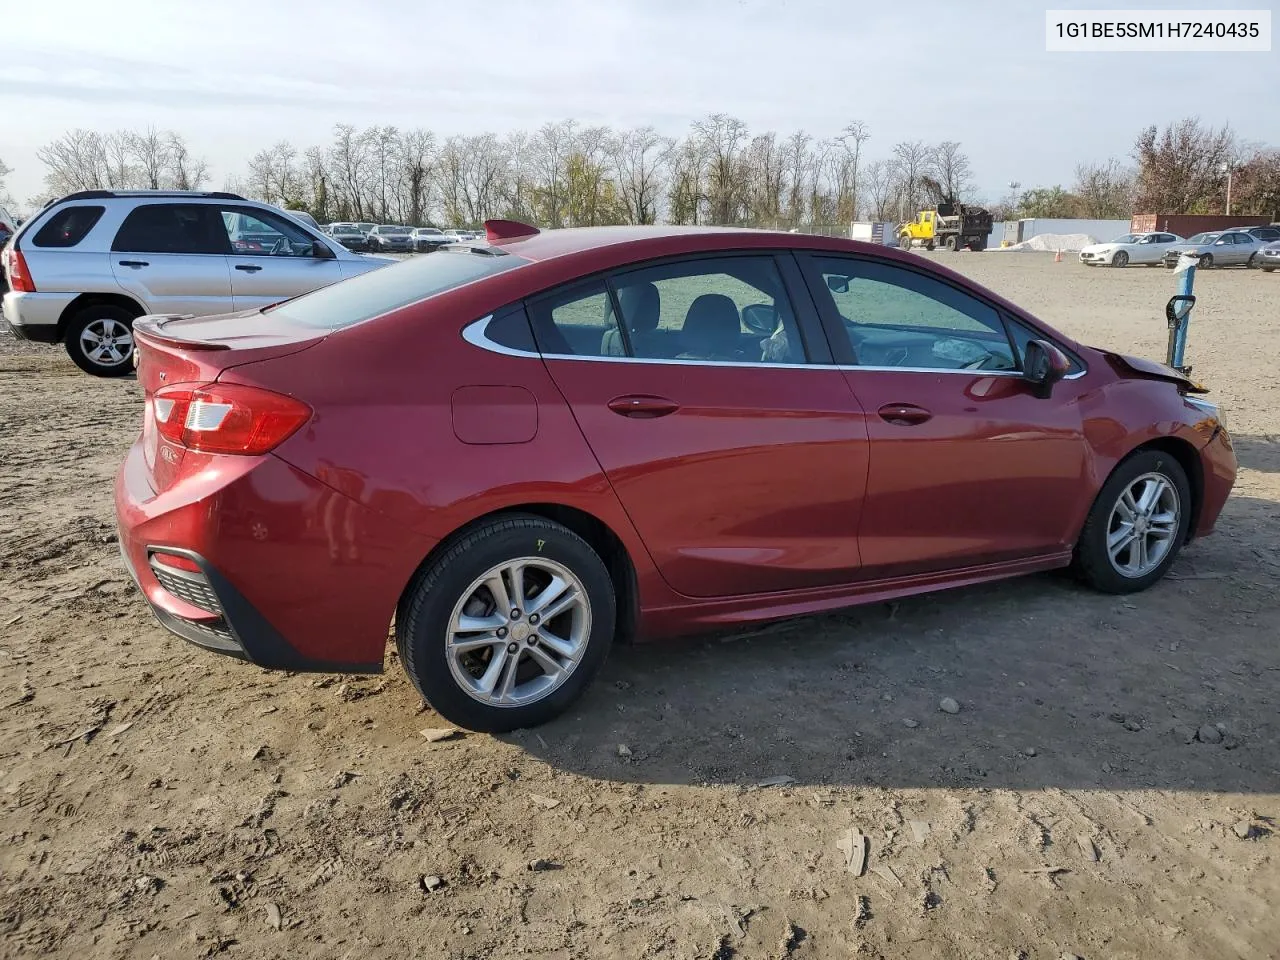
85	267
1269	257
1229	248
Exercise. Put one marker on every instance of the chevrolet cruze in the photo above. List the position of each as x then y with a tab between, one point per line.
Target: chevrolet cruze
523	452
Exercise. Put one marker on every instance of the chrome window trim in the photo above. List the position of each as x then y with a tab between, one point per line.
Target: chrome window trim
474	334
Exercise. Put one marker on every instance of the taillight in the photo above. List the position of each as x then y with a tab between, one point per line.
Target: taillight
16	268
227	417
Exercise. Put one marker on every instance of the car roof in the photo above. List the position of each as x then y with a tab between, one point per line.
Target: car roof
640	242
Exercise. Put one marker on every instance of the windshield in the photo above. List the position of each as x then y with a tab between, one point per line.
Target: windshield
1128	238
427	230
1204	238
389	288
393	229
366	227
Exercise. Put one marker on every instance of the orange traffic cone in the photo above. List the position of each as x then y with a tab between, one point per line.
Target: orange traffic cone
1057	257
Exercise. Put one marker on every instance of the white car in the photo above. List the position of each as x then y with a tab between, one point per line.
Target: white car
1148	248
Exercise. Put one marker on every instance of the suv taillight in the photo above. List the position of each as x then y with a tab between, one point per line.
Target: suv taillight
227	417
15	265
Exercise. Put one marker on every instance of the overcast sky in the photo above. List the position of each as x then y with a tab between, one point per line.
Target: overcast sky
235	77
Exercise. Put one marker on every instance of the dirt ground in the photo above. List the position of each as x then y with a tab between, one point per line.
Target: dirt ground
158	801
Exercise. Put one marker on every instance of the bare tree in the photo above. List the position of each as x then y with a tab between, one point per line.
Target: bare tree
185	172
150	150
349	159
797	160
75	161
1105	190
552	146
519	187
273	175
5	170
722	139
640	158
417	160
686	195
951	169
881	183
910	158
846	164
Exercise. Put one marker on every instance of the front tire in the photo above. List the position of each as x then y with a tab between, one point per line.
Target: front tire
1121	259
99	340
904	243
1205	262
509	625
1137	524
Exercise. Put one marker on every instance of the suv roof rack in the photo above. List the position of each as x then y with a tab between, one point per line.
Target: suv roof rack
107	194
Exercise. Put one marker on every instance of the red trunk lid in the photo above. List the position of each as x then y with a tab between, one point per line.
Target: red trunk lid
190	350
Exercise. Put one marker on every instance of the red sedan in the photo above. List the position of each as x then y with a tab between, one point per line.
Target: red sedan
525	451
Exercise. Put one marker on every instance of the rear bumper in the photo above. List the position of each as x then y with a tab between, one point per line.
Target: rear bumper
293	575
34	316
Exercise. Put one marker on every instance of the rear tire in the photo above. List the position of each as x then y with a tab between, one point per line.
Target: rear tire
1104	557
1252	262
953	243
450	603
929	246
99	340
904	243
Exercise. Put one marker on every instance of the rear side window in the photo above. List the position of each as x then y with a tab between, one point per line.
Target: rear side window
172	228
389	288
67	227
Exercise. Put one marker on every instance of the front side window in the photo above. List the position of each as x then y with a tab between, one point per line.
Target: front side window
256	233
894	317
67	227
172	228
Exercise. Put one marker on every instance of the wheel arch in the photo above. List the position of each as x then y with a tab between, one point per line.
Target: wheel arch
598	534
91	299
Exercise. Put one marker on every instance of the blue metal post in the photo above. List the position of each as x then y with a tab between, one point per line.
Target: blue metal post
1185	283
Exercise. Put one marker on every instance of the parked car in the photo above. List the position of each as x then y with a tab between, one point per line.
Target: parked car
367	228
306	218
393	238
1265	234
1232	248
459	236
8	226
85	267
524	451
1147	248
426	239
1269	257
349	235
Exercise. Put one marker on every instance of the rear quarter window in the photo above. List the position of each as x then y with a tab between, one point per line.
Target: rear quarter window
389	288
67	226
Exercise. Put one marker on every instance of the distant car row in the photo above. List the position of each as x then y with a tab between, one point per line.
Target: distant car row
391	238
1239	246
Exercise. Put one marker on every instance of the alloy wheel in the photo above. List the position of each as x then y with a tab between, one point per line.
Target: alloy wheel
1142	525
107	342
518	632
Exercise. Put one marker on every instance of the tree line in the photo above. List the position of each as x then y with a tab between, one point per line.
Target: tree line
569	174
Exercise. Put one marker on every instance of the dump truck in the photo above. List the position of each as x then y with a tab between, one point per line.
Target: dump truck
951	225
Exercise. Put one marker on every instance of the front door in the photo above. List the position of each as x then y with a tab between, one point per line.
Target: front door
742	465
968	466
272	258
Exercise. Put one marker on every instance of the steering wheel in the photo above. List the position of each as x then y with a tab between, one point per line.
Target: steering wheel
980	363
282	248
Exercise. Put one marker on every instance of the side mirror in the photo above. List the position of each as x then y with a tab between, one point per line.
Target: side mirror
760	318
838	284
1043	365
321	251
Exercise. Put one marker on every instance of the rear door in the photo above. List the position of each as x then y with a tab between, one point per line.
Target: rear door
171	257
741	463
967	466
272	258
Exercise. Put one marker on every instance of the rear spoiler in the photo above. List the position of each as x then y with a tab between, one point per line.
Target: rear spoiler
148	329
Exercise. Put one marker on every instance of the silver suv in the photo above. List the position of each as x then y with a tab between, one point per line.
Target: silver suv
85	267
